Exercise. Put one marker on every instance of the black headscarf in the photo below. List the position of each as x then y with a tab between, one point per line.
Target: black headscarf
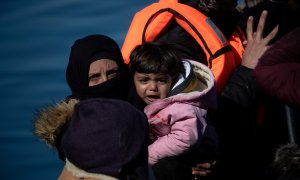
81	56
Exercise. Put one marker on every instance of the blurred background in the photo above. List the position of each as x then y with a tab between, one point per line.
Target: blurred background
35	41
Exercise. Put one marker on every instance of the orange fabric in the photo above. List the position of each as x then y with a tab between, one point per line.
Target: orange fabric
236	43
148	23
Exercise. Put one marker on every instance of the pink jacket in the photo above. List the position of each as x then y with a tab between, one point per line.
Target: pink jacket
178	122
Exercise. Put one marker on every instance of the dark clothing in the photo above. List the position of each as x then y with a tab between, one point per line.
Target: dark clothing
235	125
106	136
278	71
52	121
180	167
280	12
186	45
240	89
83	53
278	74
172	169
286	164
250	125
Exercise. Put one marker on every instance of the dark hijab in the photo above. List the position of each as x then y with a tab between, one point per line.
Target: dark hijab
82	54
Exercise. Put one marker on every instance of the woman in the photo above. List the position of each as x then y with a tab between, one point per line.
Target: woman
95	69
93	61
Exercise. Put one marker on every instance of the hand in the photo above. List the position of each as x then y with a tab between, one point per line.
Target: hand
202	170
256	43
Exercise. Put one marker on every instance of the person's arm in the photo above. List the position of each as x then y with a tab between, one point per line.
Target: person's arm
241	88
278	72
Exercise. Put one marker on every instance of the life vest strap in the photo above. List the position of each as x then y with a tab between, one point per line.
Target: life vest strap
221	51
172	15
167	17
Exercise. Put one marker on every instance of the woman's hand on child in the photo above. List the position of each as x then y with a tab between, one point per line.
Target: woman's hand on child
202	169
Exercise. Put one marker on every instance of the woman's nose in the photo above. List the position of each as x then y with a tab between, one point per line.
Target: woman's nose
103	79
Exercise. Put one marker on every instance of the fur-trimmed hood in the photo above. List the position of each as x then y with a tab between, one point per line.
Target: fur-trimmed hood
49	121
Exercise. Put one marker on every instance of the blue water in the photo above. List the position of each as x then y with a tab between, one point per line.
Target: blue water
35	41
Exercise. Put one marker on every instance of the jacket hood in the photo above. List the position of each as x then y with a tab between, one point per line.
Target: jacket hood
49	121
204	95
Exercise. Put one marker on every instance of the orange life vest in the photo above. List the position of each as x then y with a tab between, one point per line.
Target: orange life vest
222	55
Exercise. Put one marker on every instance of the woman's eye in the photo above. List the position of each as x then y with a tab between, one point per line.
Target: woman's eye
94	77
113	73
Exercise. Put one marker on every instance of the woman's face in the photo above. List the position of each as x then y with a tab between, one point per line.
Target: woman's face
150	86
102	70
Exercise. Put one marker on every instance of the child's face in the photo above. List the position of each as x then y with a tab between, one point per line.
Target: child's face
150	86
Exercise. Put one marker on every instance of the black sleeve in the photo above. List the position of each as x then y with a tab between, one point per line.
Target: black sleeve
240	90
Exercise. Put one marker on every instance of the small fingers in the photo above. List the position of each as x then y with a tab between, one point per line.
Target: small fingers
203	165
200	172
202	169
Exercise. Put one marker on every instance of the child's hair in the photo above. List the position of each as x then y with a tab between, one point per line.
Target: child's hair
156	57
